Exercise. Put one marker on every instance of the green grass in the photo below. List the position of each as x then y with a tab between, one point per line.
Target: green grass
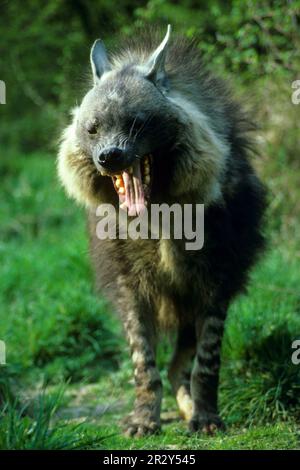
279	436
52	318
57	329
34	426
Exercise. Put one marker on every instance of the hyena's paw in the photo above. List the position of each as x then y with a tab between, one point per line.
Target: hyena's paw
208	423
138	425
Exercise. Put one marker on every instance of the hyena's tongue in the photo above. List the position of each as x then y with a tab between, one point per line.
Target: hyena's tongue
133	198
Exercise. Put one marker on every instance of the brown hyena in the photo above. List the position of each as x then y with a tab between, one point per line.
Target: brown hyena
156	127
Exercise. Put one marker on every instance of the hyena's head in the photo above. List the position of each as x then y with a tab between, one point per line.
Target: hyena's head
130	128
123	123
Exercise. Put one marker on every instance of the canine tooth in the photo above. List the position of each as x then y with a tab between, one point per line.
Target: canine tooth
121	190
118	183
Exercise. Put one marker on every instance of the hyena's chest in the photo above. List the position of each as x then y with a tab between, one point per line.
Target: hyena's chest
159	264
163	265
157	271
179	285
172	265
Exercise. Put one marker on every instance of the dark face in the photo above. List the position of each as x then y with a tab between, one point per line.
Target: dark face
124	118
126	124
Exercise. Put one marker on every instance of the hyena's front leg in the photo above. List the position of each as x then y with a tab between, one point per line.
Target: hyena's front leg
205	374
180	370
140	331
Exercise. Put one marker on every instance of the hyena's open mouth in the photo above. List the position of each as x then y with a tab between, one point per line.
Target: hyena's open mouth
133	186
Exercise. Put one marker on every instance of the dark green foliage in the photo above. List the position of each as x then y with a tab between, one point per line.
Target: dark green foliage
249	37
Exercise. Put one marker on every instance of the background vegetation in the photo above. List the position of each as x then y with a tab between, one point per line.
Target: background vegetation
68	377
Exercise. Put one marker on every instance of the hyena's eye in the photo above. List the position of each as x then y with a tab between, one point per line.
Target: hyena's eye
92	127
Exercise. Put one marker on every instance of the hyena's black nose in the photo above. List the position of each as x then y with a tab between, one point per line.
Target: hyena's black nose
110	156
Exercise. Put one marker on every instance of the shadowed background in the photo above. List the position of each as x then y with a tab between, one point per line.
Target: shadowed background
57	332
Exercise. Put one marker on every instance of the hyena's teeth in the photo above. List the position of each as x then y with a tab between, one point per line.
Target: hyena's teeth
147	170
119	183
121	190
147	179
130	170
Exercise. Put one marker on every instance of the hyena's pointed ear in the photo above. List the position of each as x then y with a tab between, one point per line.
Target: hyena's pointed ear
99	60
155	67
